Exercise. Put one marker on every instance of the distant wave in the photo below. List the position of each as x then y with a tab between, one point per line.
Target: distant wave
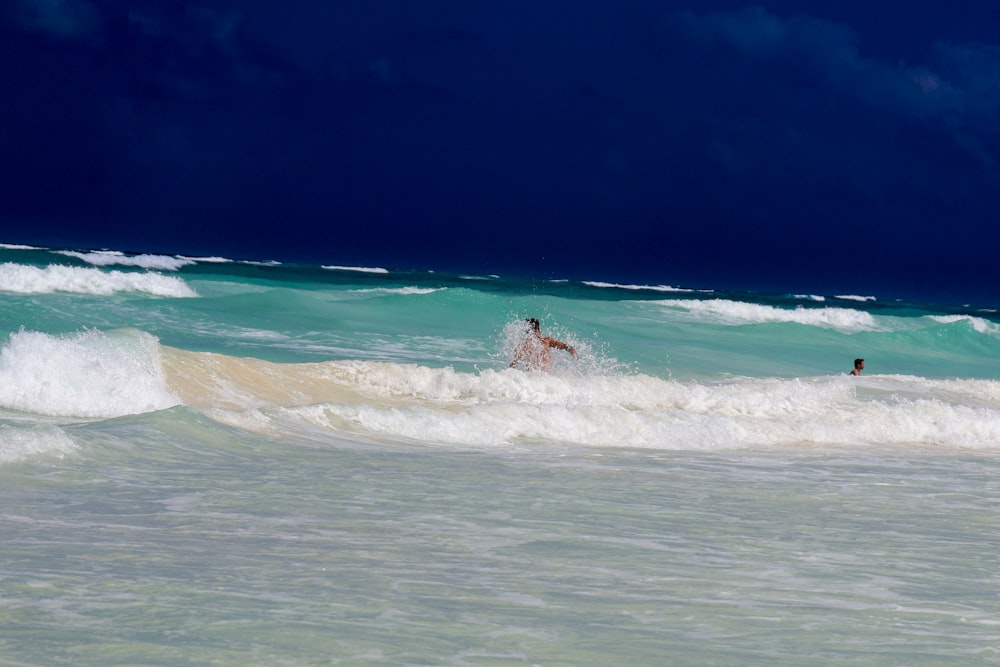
854	297
809	297
272	262
22	279
397	290
729	312
981	325
652	288
359	269
207	260
16	246
115	258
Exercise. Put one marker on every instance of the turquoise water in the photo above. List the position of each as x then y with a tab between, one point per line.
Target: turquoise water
225	463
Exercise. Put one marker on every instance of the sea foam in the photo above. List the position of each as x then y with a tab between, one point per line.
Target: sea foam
407	291
407	402
632	287
357	269
647	413
23	279
88	374
725	311
854	297
18	442
979	324
114	257
18	246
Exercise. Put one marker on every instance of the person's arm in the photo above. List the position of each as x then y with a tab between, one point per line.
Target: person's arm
552	342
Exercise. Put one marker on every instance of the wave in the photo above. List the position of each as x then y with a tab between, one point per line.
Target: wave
398	290
19	442
854	297
725	311
23	279
17	246
979	324
88	374
411	403
93	374
114	257
651	288
206	260
358	269
268	263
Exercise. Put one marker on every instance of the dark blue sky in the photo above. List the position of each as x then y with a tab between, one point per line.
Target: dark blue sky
827	146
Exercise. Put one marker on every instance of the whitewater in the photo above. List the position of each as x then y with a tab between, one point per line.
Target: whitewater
207	460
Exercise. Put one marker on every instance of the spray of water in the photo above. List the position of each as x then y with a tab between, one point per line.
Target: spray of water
592	355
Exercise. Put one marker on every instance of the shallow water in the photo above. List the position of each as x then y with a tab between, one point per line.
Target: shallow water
152	551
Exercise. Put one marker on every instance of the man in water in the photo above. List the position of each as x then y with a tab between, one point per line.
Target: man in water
534	352
859	365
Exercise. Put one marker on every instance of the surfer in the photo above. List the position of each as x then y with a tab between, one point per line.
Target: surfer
534	352
859	365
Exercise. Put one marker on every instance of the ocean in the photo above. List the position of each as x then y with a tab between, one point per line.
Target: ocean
206	461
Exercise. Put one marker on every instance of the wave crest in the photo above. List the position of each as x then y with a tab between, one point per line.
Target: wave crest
411	403
725	311
114	257
23	279
87	374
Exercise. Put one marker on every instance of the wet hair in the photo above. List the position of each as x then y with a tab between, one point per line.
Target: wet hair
533	323
858	362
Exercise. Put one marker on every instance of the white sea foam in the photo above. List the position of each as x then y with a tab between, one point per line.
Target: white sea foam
511	408
87	374
23	279
651	288
589	357
724	311
981	325
398	290
207	260
854	297
16	246
359	269
115	258
407	402
19	442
